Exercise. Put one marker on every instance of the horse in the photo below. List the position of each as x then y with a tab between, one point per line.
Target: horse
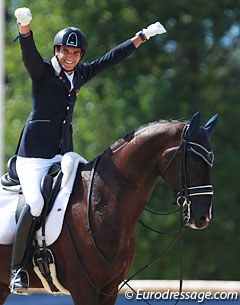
96	247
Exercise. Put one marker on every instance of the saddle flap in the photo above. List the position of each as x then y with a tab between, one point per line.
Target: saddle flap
46	186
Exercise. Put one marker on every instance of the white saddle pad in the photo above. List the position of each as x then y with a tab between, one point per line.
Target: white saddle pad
8	205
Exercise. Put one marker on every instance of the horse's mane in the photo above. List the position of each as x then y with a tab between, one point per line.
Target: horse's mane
142	128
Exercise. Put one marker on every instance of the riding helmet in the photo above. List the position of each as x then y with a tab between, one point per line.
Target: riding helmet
71	37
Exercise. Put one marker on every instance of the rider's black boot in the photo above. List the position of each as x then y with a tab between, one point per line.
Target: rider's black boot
19	280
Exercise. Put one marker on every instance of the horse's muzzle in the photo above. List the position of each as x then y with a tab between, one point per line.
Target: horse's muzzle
200	223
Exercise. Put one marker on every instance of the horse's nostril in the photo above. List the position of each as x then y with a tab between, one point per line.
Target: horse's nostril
205	218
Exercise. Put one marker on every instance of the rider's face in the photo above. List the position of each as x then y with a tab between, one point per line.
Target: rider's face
68	57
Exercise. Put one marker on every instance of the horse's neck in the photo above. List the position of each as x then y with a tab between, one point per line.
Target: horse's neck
135	165
140	153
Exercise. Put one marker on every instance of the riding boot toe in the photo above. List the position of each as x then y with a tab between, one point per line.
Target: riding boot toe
19	281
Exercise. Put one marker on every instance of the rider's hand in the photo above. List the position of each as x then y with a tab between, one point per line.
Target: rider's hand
152	30
23	16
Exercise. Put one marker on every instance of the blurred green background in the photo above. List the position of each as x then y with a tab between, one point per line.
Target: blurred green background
195	66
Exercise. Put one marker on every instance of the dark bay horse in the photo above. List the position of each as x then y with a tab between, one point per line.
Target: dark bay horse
96	247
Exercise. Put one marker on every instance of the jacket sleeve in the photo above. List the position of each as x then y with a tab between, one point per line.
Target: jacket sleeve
32	60
112	58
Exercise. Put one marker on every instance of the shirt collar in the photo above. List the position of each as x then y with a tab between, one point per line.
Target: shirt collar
56	65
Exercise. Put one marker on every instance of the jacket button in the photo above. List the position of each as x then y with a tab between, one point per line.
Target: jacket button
68	107
64	122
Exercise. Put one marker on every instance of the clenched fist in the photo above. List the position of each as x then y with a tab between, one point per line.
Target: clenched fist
23	15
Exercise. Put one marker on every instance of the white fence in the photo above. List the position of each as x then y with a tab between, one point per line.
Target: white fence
173	285
189	286
200	291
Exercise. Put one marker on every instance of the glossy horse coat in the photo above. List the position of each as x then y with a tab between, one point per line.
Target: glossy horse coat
96	247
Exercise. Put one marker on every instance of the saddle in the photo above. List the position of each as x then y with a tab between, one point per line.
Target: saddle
51	185
43	259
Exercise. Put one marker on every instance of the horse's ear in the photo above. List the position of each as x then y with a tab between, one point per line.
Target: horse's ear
194	124
209	126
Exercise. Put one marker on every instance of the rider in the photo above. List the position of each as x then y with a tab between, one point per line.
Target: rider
47	134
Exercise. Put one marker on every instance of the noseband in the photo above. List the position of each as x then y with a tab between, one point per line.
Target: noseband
182	197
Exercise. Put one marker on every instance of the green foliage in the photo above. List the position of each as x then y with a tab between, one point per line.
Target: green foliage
194	67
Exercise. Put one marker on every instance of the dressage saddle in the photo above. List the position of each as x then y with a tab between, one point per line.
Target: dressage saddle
43	258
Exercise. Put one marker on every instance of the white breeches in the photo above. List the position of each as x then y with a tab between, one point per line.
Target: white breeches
30	172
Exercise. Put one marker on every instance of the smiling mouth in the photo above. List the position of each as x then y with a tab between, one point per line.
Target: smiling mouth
69	63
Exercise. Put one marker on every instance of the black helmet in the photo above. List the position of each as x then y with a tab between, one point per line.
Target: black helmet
71	37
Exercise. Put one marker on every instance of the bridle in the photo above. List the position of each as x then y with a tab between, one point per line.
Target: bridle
183	197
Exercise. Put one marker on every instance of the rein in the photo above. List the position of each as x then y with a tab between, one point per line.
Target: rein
182	200
182	197
82	265
89	199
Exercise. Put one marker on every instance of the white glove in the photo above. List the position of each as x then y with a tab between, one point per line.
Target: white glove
153	29
23	15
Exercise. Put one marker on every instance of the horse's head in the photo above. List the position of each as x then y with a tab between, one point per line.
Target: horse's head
187	171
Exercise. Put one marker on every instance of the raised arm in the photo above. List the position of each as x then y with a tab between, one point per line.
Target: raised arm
120	52
32	59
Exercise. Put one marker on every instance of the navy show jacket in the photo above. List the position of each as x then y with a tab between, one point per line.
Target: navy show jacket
48	129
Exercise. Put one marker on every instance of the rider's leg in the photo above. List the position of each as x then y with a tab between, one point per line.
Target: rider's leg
19	277
30	172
